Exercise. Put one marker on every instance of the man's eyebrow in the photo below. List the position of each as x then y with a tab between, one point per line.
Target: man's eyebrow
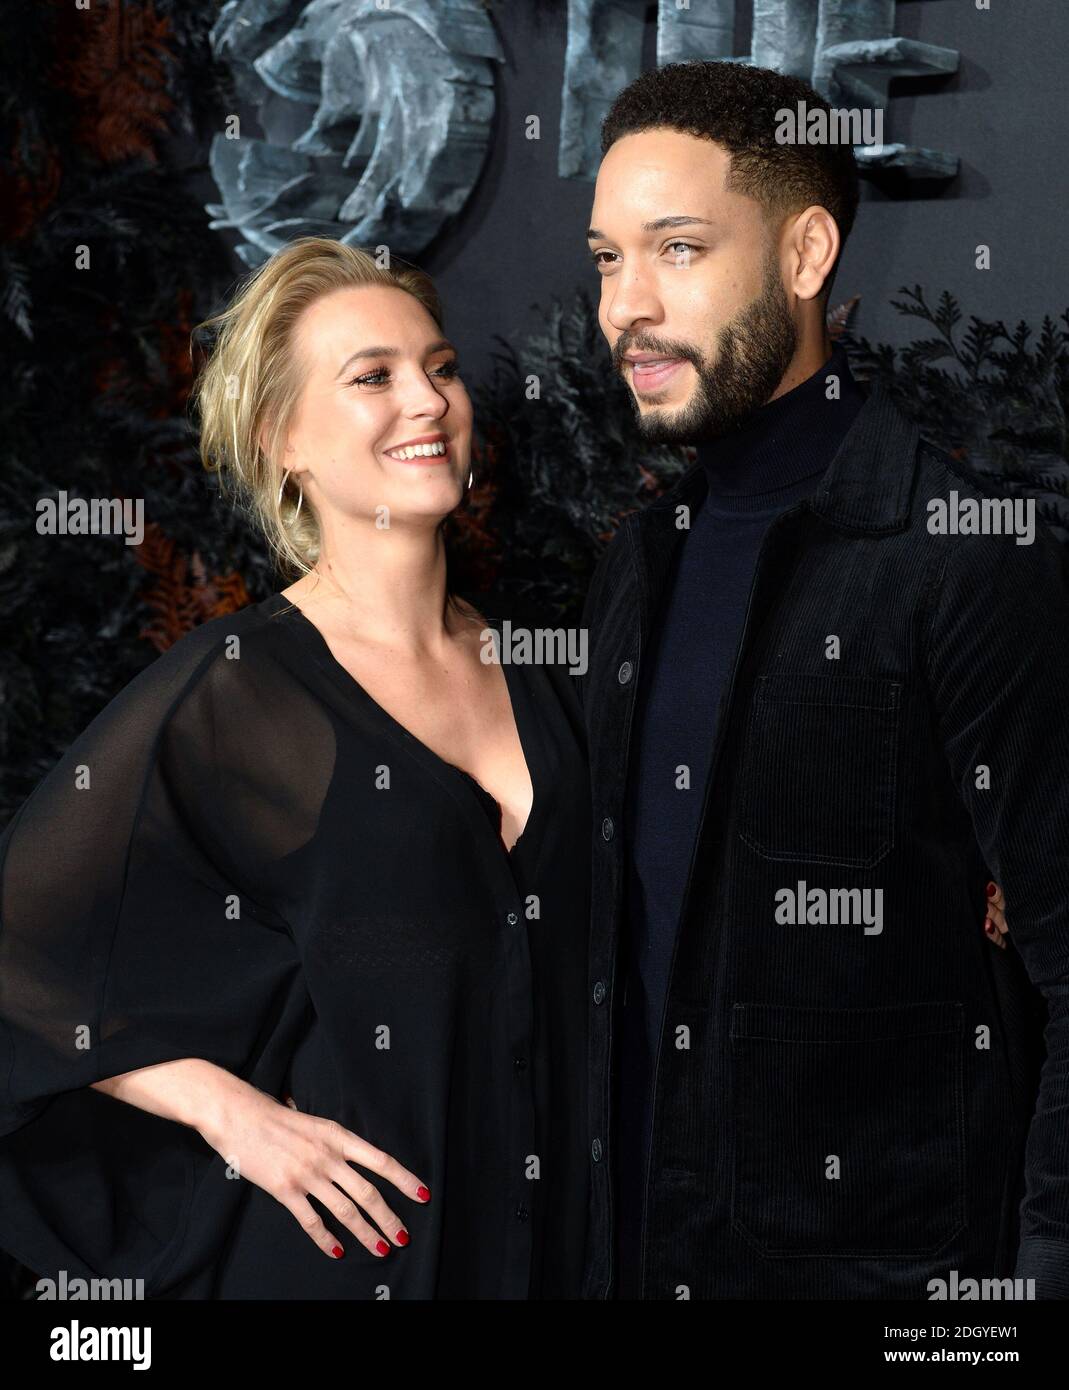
680	220
441	345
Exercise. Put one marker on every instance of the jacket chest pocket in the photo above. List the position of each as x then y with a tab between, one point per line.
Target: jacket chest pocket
819	769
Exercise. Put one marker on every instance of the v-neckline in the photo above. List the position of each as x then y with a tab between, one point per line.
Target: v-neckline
513	687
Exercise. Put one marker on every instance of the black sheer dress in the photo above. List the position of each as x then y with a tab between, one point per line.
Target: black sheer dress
245	858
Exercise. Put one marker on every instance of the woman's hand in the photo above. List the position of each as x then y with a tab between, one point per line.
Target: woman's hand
995	923
292	1155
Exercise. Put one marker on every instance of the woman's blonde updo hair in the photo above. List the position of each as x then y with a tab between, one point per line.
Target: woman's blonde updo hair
253	379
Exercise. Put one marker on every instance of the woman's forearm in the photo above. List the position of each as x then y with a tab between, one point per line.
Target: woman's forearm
189	1090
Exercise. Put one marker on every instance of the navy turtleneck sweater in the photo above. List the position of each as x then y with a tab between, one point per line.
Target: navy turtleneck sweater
775	458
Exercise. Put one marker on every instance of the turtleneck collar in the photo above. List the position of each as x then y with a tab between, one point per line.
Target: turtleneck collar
783	444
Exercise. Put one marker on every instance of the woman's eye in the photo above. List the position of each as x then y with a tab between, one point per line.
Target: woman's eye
380	376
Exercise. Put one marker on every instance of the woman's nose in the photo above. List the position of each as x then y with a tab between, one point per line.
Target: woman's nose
424	400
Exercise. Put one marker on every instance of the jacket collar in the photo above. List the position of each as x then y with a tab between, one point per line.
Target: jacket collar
867	485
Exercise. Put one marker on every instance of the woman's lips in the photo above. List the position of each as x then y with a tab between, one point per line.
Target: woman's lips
654	375
425	458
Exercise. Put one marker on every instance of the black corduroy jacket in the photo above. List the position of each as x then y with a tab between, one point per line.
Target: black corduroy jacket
844	1109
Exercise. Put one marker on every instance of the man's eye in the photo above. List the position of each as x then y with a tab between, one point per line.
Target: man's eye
375	378
682	250
604	264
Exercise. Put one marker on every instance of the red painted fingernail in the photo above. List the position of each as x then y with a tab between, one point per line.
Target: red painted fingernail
989	926
382	1248
992	889
402	1237
423	1194
337	1252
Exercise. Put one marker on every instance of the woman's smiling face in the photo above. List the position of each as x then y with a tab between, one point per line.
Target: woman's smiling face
384	419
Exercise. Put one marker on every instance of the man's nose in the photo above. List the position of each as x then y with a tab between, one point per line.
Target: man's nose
633	301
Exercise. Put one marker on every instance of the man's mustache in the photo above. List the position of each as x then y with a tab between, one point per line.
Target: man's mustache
663	347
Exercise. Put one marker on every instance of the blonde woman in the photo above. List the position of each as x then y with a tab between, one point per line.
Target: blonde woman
293	951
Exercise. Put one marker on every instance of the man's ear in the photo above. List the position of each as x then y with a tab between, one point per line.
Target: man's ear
815	242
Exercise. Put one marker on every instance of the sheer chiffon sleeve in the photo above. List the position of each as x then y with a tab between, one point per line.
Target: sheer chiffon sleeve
133	931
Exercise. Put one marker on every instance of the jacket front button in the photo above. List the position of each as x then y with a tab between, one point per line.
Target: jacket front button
512	919
521	1212
624	673
595	1151
607	828
599	992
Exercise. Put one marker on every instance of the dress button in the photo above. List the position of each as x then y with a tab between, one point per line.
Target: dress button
512	919
624	673
599	992
520	1063
595	1151
607	828
521	1212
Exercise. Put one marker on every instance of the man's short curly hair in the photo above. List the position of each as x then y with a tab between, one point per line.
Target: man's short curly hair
735	105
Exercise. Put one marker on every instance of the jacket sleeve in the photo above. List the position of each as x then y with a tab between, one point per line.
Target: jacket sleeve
998	666
130	935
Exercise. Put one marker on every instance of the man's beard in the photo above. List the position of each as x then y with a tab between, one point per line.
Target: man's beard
753	352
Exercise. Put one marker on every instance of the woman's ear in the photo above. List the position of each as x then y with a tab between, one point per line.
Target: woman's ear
263	438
